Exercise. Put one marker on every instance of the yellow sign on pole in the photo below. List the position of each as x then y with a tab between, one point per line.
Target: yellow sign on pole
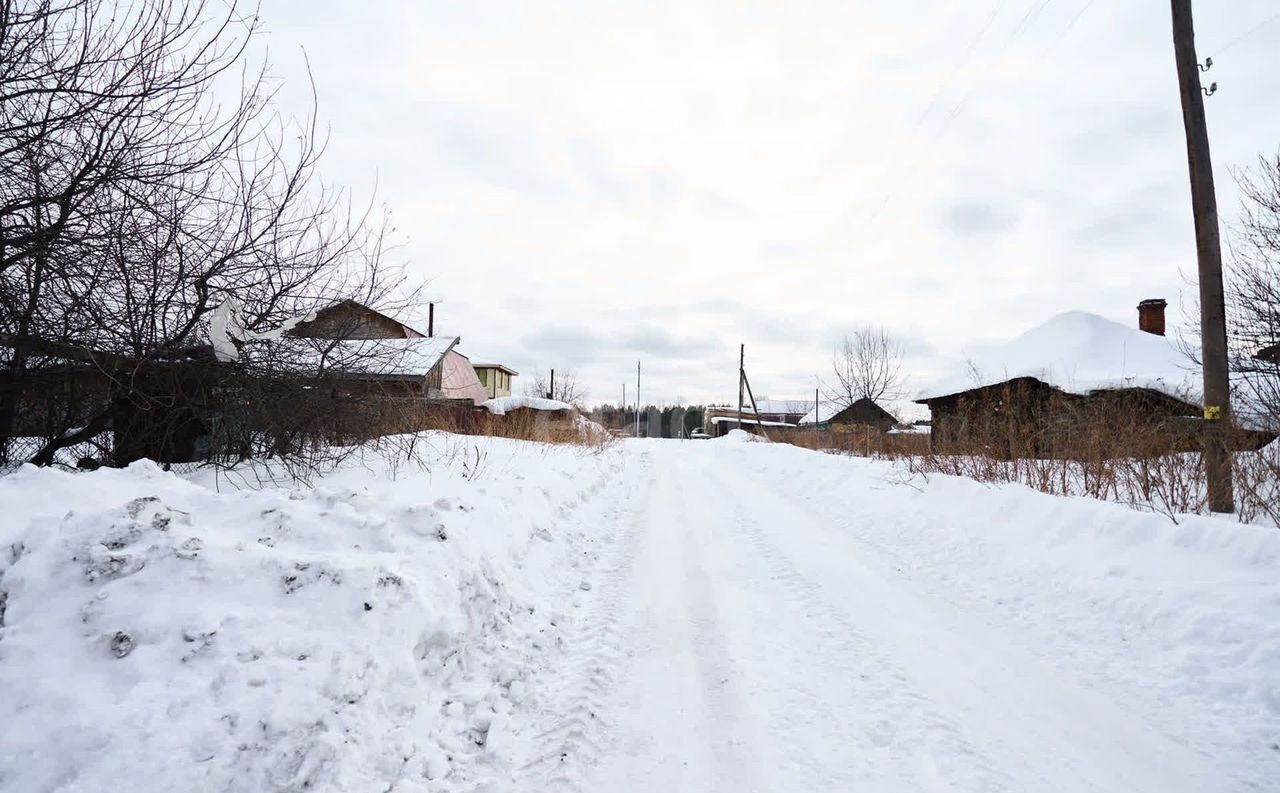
1212	412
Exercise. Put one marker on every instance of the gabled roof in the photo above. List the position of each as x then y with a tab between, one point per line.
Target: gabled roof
1079	353
778	406
364	358
823	413
498	366
833	410
362	308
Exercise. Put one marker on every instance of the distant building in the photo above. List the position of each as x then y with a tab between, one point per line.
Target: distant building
787	411
347	319
495	378
715	426
864	412
779	413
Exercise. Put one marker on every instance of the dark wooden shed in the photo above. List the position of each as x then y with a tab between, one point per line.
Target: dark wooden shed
864	412
1025	417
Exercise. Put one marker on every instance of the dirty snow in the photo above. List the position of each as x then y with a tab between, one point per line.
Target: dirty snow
664	615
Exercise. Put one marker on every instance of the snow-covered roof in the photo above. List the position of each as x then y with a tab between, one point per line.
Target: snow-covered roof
502	405
753	422
1079	353
778	406
364	357
823	412
503	367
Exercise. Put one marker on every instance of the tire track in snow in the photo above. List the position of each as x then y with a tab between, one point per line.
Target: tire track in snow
1033	727
578	685
897	730
495	655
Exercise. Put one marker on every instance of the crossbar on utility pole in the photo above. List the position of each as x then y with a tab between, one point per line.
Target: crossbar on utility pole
754	408
1204	204
742	358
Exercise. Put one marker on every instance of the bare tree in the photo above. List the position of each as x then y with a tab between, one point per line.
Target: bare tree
1253	295
567	388
867	365
144	178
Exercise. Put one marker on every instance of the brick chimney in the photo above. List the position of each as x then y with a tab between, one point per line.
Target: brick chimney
1151	316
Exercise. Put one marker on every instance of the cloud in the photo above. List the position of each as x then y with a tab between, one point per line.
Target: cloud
974	218
1127	224
588	183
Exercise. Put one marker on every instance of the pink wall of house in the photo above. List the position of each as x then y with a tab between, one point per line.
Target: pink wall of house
458	379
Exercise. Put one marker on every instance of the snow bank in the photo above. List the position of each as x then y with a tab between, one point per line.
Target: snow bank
740	436
1184	617
366	635
1079	353
502	405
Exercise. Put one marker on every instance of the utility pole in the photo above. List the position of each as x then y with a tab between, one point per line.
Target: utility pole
638	401
817	413
624	406
742	358
1204	204
552	393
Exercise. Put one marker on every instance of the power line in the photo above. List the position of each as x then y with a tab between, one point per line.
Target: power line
1233	42
1029	18
1075	19
959	67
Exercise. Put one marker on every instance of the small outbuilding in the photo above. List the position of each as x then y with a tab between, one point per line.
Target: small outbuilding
863	412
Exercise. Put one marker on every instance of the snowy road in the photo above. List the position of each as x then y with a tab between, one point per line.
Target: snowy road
741	639
654	616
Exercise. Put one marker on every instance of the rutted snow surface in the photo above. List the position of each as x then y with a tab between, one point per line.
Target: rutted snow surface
665	616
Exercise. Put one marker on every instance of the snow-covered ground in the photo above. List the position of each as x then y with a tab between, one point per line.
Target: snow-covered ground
663	615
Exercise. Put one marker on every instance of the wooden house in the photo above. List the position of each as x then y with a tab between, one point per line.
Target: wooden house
382	348
1076	384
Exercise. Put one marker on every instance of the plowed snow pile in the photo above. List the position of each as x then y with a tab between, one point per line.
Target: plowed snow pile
160	636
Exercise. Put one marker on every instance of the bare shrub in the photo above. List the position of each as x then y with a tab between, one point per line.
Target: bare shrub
547	427
1147	459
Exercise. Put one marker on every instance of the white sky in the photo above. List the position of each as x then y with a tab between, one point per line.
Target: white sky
588	183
